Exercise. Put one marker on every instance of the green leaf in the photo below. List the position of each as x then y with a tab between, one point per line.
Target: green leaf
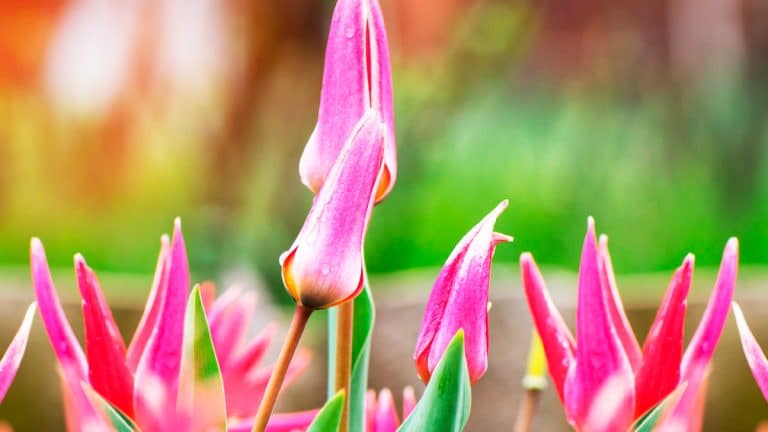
329	417
364	317
647	422
201	389
447	400
119	421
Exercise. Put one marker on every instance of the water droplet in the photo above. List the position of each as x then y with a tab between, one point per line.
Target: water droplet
325	270
349	33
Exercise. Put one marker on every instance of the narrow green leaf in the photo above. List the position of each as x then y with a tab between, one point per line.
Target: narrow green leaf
446	402
119	421
364	318
201	389
329	417
648	421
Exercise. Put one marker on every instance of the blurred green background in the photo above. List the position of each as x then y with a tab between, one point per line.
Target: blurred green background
116	117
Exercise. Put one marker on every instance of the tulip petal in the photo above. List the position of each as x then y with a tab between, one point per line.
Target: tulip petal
459	300
687	415
108	373
704	341
385	415
381	94
284	422
152	309
659	372
11	360
559	346
600	357
229	331
356	78
60	334
157	373
616	309
409	401
755	356
324	267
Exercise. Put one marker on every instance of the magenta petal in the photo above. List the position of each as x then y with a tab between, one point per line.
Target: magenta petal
108	373
11	360
324	266
755	356
600	357
704	341
157	374
409	401
459	300
687	414
557	340
356	78
284	422
60	333
228	331
152	308
385	416
659	373
616	308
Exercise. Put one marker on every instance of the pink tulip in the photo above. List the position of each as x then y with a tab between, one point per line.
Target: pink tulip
607	367
356	79
459	300
142	380
324	266
11	360
755	356
380	412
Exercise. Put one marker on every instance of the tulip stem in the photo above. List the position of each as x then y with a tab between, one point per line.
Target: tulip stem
344	327
527	410
298	323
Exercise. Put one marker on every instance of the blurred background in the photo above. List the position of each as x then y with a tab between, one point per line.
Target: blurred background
117	116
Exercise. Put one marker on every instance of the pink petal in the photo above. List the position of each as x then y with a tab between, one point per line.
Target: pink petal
370	410
79	412
152	309
286	422
687	415
251	356
600	357
229	330
558	342
616	308
245	391
157	374
704	341
108	373
659	373
385	416
459	300
324	267
409	401
381	93
755	356
60	333
356	78
11	360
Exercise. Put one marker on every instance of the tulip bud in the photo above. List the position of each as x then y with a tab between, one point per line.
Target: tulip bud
357	78
324	266
459	300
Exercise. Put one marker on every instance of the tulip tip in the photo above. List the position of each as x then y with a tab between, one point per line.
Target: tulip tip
733	245
502	238
79	259
603	239
36	245
177	225
165	240
690	260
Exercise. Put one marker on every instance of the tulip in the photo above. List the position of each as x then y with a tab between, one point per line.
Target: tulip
459	300
356	79
608	366
11	360
324	266
380	412
755	356
142	378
